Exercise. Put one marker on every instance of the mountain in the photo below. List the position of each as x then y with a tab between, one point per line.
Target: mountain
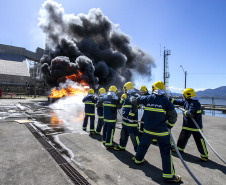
219	92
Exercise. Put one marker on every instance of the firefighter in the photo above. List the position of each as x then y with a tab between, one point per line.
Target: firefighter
99	106
129	128
192	109
159	116
110	105
144	92
89	101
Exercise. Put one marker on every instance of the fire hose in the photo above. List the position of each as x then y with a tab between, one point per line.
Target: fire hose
178	153
196	124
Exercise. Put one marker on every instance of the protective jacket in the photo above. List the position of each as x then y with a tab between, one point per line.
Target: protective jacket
192	107
99	105
129	110
89	101
129	127
111	103
142	118
146	94
159	113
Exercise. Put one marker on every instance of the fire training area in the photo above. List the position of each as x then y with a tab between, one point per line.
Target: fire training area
38	147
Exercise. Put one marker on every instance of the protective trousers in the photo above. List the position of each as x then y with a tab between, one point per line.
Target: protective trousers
165	151
92	123
100	124
141	131
183	140
131	131
108	133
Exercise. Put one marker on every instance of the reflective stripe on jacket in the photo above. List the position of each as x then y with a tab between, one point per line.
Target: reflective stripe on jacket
89	102
159	113
194	107
128	110
110	105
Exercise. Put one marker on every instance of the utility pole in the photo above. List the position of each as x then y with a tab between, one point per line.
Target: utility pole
166	73
185	75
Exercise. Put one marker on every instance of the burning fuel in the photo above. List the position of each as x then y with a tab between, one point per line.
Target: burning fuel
90	47
69	88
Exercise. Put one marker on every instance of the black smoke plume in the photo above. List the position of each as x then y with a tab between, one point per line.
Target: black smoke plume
91	44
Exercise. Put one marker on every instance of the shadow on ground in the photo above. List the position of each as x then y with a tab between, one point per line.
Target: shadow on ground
194	159
150	171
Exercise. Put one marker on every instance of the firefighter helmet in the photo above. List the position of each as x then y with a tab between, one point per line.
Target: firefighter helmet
188	93
113	89
124	96
127	86
90	91
101	91
158	85
143	90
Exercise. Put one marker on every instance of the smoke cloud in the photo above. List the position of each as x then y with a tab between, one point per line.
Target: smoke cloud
91	44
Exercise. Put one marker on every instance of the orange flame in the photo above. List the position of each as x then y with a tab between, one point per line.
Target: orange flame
55	121
70	91
77	78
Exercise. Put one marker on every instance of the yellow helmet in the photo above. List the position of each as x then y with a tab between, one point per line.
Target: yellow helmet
188	93
127	86
124	96
158	85
113	89
90	91
101	91
143	90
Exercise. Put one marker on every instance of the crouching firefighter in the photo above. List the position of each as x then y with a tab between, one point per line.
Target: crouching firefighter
89	101
99	106
192	109
129	128
144	92
159	115
110	105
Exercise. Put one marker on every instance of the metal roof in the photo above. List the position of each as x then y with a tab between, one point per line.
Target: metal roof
7	56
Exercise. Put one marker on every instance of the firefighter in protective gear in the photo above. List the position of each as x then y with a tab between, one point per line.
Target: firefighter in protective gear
110	105
129	128
144	92
192	109
99	106
159	116
89	101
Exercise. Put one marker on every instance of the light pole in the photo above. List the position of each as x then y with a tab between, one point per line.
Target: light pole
185	74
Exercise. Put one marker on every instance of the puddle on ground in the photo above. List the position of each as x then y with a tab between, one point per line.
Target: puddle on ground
64	116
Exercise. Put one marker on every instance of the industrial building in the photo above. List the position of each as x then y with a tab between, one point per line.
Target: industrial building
20	70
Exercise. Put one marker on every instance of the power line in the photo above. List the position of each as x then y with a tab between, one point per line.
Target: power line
207	73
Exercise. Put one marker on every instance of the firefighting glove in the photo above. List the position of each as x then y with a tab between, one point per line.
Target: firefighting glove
169	125
131	116
123	97
188	114
133	100
171	100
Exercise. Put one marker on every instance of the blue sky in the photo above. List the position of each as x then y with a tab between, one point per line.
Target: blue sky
194	31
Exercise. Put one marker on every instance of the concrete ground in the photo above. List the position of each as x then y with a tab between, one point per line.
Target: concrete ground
23	160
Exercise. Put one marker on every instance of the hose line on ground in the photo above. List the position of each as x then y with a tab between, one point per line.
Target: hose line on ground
196	124
182	160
